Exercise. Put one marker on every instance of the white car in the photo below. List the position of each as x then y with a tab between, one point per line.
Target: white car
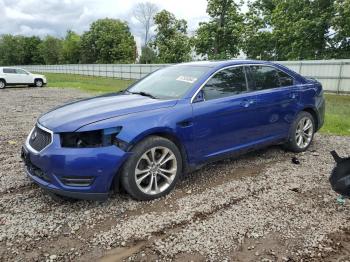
17	76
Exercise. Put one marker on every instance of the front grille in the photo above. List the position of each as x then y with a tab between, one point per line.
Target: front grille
39	139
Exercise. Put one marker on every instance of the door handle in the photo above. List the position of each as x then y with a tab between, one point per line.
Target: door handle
247	102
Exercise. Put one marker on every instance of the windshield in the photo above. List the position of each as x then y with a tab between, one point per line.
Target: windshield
171	82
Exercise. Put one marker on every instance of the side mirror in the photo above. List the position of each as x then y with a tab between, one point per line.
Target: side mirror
199	97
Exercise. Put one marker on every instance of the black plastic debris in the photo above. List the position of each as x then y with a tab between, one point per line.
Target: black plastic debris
295	160
294	189
340	177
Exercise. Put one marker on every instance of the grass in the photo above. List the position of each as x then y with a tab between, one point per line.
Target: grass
87	83
337	119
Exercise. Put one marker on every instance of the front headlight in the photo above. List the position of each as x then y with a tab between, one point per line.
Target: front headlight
95	138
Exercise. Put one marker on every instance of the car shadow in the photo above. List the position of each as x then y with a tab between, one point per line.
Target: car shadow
18	87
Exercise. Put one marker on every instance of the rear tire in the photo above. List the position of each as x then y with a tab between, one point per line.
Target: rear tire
38	83
301	133
2	84
153	169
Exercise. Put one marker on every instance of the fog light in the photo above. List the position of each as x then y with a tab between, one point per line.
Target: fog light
77	181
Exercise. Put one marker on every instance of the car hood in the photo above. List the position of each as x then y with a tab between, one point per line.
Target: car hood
73	116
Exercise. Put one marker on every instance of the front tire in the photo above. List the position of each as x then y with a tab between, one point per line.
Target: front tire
153	168
38	83
2	84
301	133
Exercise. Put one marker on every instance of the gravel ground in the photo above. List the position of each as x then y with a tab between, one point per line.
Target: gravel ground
259	207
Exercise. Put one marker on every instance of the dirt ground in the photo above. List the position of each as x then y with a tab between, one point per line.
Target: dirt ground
259	207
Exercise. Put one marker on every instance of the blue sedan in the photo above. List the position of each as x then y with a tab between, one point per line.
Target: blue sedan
169	123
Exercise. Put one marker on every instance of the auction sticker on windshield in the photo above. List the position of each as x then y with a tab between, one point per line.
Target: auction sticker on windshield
188	79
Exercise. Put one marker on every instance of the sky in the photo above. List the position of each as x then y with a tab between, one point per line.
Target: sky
55	17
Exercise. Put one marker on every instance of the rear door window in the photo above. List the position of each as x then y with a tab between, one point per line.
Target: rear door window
267	77
225	83
9	71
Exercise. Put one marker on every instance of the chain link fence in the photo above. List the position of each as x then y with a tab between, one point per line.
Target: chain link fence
120	71
333	74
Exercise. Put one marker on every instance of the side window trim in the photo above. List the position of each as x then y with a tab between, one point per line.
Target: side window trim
246	73
246	79
250	80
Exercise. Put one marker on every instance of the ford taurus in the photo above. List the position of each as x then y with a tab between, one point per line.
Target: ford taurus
169	123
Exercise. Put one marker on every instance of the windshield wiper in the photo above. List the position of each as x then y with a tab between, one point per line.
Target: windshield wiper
143	94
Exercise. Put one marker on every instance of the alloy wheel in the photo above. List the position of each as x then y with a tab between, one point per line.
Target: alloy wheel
304	132
155	170
2	84
39	83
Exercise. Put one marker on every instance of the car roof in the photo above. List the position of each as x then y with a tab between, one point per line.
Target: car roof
217	65
12	67
224	63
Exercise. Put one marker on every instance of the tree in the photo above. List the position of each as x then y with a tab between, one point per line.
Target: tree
70	52
144	13
341	26
32	55
50	49
148	56
11	50
257	39
171	41
220	37
19	50
290	30
108	41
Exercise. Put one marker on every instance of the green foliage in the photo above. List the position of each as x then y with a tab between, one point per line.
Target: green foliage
148	56
50	49
70	52
220	37
171	40
19	50
341	25
290	30
257	40
11	50
32	54
108	41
